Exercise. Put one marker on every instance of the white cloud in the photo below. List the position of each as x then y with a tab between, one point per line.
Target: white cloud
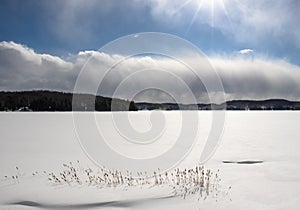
259	21
23	68
72	22
75	22
245	51
260	78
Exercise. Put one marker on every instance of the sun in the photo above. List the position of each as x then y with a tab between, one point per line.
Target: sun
209	10
212	7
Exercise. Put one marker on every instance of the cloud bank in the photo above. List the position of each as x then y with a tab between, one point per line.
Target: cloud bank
21	68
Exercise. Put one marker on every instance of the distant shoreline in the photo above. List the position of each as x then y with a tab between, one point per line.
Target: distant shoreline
54	101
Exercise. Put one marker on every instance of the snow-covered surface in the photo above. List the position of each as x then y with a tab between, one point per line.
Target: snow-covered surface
39	143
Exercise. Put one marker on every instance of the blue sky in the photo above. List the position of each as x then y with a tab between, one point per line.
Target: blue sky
63	27
57	33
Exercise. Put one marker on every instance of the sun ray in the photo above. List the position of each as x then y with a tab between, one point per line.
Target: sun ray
241	6
212	13
195	15
212	21
182	6
223	6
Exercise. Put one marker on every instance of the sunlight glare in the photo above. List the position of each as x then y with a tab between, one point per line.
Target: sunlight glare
210	11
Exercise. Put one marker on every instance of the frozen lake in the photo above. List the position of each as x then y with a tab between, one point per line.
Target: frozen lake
38	142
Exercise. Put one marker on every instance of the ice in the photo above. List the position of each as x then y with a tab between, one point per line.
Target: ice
263	148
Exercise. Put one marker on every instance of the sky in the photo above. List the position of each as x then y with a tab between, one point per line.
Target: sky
253	45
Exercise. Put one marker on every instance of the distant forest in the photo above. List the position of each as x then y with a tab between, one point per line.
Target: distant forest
60	101
271	104
42	100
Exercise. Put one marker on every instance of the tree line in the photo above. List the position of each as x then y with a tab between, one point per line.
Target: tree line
42	100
